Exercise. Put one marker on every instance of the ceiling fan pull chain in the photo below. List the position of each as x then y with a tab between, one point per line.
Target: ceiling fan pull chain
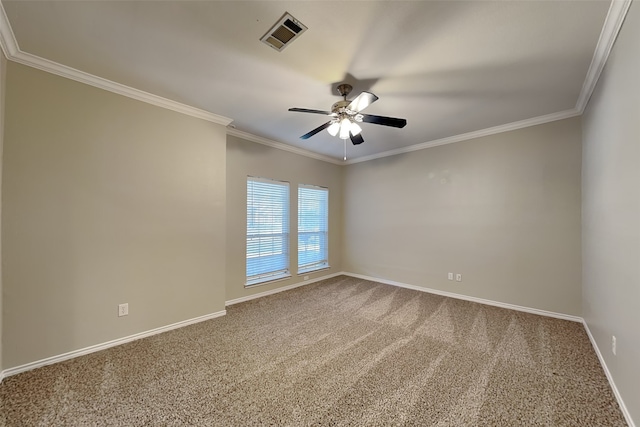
345	149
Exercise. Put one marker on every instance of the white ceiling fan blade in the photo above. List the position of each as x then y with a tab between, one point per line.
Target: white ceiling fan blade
362	101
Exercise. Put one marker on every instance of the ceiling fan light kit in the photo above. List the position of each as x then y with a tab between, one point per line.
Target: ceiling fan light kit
345	116
334	128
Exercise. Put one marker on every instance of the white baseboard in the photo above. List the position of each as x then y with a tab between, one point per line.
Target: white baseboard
92	349
469	298
623	407
113	343
563	316
282	289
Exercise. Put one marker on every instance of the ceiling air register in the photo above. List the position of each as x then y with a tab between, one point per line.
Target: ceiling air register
284	32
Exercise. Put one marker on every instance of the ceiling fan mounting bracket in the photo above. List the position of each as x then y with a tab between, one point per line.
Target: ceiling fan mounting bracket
344	90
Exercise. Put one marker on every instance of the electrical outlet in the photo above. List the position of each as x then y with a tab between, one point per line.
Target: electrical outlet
450	276
123	309
613	344
306	277
458	277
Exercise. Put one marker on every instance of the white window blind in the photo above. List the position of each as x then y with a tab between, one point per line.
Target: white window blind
313	236
267	230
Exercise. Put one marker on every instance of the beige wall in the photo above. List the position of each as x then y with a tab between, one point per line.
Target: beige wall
611	212
245	158
106	200
3	67
504	211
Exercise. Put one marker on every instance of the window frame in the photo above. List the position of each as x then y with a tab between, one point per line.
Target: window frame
284	212
322	263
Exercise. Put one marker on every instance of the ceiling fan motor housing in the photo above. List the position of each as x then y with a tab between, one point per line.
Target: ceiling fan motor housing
339	106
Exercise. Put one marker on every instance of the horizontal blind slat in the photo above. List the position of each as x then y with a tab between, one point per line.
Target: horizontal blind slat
312	227
267	248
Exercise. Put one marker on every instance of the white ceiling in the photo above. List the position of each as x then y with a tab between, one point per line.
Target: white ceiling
448	67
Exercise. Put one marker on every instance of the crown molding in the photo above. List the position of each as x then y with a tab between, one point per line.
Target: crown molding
82	77
434	143
7	38
281	146
612	24
12	52
610	29
471	135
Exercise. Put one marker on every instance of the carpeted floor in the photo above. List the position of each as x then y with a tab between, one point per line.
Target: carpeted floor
342	352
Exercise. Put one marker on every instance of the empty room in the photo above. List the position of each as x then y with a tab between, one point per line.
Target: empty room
296	213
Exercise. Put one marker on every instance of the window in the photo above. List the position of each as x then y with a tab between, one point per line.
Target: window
313	238
267	230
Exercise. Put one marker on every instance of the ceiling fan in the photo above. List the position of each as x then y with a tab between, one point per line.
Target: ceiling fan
345	116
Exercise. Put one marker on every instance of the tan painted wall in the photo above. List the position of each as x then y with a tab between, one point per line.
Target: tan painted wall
503	210
3	67
611	212
248	158
106	200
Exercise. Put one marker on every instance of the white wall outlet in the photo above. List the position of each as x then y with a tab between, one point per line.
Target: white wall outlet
450	276
613	344
458	277
123	309
306	277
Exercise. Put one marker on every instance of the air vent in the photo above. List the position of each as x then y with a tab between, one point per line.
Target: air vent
285	31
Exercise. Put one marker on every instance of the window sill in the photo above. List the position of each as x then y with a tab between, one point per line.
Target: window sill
267	281
312	270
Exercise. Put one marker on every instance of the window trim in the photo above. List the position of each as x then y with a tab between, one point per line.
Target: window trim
321	265
276	275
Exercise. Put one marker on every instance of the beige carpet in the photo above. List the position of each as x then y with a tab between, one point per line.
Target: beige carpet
341	352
